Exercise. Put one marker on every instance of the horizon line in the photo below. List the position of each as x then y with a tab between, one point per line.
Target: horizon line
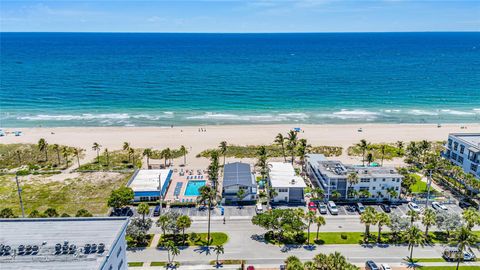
306	32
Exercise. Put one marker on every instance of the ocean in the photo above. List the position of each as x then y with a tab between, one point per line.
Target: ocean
155	79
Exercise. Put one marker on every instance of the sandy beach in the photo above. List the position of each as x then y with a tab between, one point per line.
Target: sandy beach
196	141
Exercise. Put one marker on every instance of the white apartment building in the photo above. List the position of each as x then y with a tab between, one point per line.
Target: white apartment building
331	175
463	149
288	186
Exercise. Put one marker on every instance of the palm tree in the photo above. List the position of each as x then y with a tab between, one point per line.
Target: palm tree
107	156
167	154
65	154
368	217
309	266
464	239
56	148
143	210
471	217
43	147
293	263
414	216
147	152
336	194
429	218
280	140
320	221
352	179
310	218
77	152
218	249
208	197
183	150
303	149
370	158
321	261
240	196
414	237
213	169
382	219
126	147
364	146
399	147
131	152
223	150
262	163
184	222
173	250
382	150
96	147
163	222
292	143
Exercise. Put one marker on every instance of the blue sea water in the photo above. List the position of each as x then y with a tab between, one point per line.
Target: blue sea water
122	79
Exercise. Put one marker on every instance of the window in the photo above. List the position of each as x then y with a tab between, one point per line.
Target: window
383	180
111	267
120	265
454	156
449	142
396	188
282	190
119	251
455	146
373	188
398	180
460	159
363	188
462	148
365	180
473	167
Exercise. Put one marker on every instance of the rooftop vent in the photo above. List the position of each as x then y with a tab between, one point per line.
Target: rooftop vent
101	248
292	181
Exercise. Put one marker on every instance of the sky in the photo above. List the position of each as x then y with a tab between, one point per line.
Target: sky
239	16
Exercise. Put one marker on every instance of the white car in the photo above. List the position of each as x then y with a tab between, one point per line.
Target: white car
386	267
332	207
437	206
414	207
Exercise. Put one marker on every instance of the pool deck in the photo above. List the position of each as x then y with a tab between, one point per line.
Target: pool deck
176	178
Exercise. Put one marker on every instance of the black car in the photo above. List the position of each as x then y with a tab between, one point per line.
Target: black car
371	265
464	204
156	211
386	208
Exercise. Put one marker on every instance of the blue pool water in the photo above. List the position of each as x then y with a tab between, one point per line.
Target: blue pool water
193	188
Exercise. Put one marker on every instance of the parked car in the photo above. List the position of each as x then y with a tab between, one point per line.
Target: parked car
322	208
386	208
413	206
156	211
259	208
332	207
312	206
122	212
438	206
451	254
371	265
360	208
464	204
386	266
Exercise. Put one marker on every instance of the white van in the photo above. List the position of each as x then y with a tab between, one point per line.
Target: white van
259	208
332	207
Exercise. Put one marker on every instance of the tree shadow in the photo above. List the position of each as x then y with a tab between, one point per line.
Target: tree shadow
310	247
287	248
203	249
259	238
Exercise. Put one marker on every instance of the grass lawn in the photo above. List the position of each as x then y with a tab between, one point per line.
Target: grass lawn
163	263
135	264
391	151
327	238
250	151
118	160
429	260
217	238
89	191
227	262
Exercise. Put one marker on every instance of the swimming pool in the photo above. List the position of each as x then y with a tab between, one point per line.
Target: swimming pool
193	187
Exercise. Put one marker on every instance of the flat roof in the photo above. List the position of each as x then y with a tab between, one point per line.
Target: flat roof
147	180
77	231
336	169
473	139
238	173
283	175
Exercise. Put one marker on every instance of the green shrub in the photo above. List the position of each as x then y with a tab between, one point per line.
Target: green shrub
23	172
344	236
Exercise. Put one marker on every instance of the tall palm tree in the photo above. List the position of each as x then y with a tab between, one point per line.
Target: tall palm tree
293	263
163	222
131	152
184	222
310	218
292	143
364	146
43	147
147	152
208	197
464	239
65	154
321	261
262	164
471	217
280	140
382	219
213	169
414	216
183	150
218	249
143	210
107	157
429	218
352	179
368	217
370	158
172	250
97	147
414	237
56	148
77	152
382	150
167	154
126	147
319	221
223	150
303	149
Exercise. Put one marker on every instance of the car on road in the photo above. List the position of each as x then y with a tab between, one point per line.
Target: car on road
464	204
332	207
322	208
386	208
360	208
312	206
371	265
259	208
386	266
414	207
438	206
156	211
451	254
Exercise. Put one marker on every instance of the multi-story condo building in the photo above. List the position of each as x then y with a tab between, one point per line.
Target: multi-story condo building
63	243
380	183
287	184
463	149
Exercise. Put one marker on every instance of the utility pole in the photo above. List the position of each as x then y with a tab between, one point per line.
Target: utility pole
429	183
19	190
160	192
